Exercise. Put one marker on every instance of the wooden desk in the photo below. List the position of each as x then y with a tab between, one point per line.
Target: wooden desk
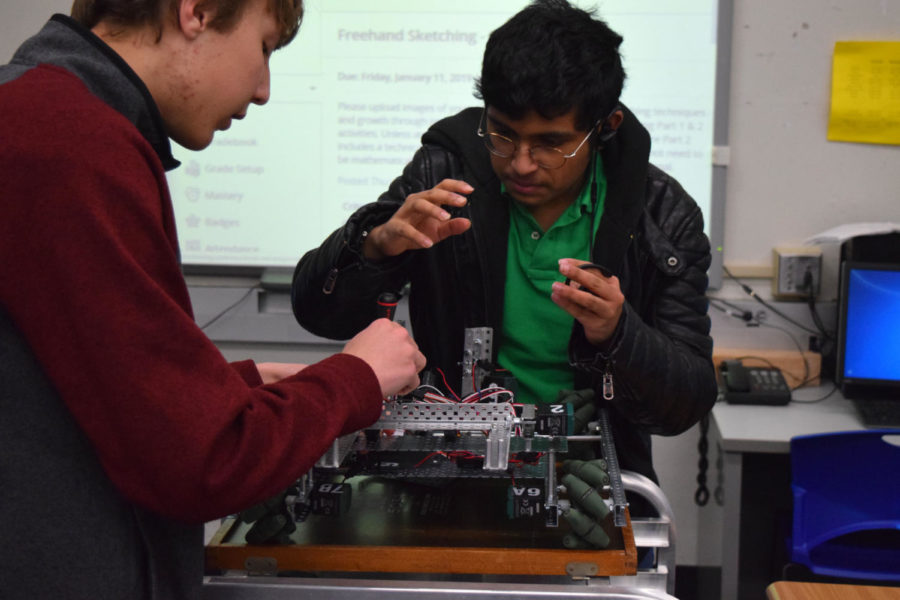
802	590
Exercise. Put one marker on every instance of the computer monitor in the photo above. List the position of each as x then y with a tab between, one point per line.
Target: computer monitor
868	337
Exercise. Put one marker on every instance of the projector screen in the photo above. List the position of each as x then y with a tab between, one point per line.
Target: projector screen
353	93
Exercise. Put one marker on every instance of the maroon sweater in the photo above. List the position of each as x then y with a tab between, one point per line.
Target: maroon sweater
91	279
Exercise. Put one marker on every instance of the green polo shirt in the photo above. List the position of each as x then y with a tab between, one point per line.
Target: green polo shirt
536	331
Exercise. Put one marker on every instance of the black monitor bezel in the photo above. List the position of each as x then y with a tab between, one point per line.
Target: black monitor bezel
859	387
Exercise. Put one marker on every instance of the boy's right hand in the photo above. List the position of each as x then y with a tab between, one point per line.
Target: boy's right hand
393	355
421	222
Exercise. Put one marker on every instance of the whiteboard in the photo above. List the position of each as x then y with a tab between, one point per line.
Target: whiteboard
353	93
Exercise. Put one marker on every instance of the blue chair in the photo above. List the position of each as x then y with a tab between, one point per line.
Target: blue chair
846	520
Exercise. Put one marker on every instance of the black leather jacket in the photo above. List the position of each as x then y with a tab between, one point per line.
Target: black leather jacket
650	235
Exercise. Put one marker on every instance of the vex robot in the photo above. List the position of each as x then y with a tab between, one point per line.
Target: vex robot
432	435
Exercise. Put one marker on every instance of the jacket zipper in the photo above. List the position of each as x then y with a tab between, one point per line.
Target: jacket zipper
347	258
330	280
608	391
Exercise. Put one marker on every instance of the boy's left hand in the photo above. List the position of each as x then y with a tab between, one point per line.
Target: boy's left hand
592	298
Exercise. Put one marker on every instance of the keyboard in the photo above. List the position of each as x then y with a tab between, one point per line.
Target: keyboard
878	412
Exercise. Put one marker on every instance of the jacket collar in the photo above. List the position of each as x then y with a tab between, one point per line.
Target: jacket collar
626	157
65	43
626	160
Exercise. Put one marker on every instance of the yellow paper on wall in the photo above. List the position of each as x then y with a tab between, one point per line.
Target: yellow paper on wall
865	93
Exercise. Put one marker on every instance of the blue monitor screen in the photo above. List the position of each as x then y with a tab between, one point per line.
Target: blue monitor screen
871	323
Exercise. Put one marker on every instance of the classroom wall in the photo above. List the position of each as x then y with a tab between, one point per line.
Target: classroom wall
785	181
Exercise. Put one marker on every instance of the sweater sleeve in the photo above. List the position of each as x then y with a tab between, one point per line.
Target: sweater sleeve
91	278
248	372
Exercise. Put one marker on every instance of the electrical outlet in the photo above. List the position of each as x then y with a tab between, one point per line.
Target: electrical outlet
798	272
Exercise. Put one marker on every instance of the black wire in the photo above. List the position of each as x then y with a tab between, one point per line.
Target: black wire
745	315
829	337
712	302
754	357
799	385
701	496
834	388
811	300
752	322
806	376
228	308
809	379
730	305
753	295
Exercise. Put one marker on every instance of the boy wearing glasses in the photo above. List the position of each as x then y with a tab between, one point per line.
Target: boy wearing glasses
503	205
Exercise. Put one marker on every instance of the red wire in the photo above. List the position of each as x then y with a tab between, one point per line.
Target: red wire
465	454
421	462
447	385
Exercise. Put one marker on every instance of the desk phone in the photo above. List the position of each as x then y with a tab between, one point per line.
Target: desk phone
753	385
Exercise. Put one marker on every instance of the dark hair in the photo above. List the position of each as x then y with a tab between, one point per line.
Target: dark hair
126	14
552	57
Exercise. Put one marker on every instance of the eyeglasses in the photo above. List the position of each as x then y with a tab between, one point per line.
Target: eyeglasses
547	157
